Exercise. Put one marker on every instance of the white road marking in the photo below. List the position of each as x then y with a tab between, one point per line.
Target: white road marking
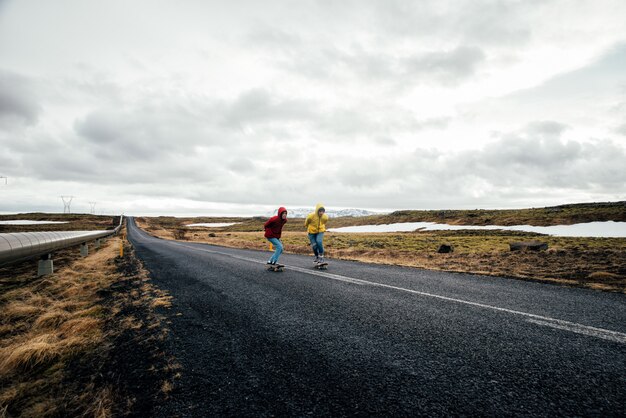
582	329
532	318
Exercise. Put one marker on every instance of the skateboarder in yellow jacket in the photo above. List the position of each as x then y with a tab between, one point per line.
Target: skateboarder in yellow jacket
315	224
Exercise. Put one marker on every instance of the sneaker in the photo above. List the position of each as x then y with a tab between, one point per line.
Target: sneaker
270	263
317	259
321	260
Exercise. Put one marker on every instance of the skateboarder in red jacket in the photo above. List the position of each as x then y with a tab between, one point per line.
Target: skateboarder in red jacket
273	230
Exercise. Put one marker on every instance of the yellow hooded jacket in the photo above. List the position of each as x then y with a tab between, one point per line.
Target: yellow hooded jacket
314	223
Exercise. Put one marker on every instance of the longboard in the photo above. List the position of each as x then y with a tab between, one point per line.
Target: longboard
321	266
276	267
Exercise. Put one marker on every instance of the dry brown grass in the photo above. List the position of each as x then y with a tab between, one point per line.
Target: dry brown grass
163	301
47	324
603	275
102	403
167	387
52	319
23	356
154	228
22	311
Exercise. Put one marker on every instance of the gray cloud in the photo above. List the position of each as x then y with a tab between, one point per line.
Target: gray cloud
250	122
17	99
485	21
385	141
546	128
179	141
448	67
495	23
101	127
359	103
242	165
524	164
147	132
372	120
273	37
471	30
186	147
536	146
597	87
259	105
431	123
546	164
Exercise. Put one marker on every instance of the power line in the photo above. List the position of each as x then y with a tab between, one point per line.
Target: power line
67	201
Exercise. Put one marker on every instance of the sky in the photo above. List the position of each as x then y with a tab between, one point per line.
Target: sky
235	108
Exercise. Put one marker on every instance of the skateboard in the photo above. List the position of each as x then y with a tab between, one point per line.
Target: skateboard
321	266
276	267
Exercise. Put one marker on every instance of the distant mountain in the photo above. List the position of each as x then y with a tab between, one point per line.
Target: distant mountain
350	212
302	213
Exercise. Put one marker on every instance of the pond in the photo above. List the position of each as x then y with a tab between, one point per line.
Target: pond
608	229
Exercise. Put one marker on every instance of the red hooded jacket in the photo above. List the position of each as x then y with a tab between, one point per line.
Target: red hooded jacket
274	226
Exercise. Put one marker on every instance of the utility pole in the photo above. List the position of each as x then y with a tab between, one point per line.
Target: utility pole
6	179
67	201
93	207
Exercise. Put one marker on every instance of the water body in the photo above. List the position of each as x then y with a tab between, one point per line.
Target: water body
27	222
215	224
608	229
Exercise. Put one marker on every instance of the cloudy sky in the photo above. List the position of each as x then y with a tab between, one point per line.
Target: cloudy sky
207	107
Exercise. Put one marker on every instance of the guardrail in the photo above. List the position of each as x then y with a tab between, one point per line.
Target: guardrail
20	246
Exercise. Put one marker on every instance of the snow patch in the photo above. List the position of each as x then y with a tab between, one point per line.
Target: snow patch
608	229
27	222
214	224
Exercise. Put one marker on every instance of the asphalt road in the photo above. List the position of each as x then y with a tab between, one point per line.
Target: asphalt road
364	340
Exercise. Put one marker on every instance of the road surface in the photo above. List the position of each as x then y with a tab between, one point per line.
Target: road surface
364	340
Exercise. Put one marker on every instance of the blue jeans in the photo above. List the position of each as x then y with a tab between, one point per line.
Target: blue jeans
278	249
316	244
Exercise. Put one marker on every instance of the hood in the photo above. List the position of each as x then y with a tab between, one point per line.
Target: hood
318	207
280	212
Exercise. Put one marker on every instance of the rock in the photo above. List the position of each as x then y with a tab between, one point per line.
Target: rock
529	245
445	248
212	235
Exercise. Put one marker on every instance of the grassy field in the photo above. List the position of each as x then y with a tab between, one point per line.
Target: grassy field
555	215
83	341
598	263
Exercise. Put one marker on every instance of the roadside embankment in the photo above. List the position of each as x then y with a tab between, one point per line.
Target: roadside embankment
84	341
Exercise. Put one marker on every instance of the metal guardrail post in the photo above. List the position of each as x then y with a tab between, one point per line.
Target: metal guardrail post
45	265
